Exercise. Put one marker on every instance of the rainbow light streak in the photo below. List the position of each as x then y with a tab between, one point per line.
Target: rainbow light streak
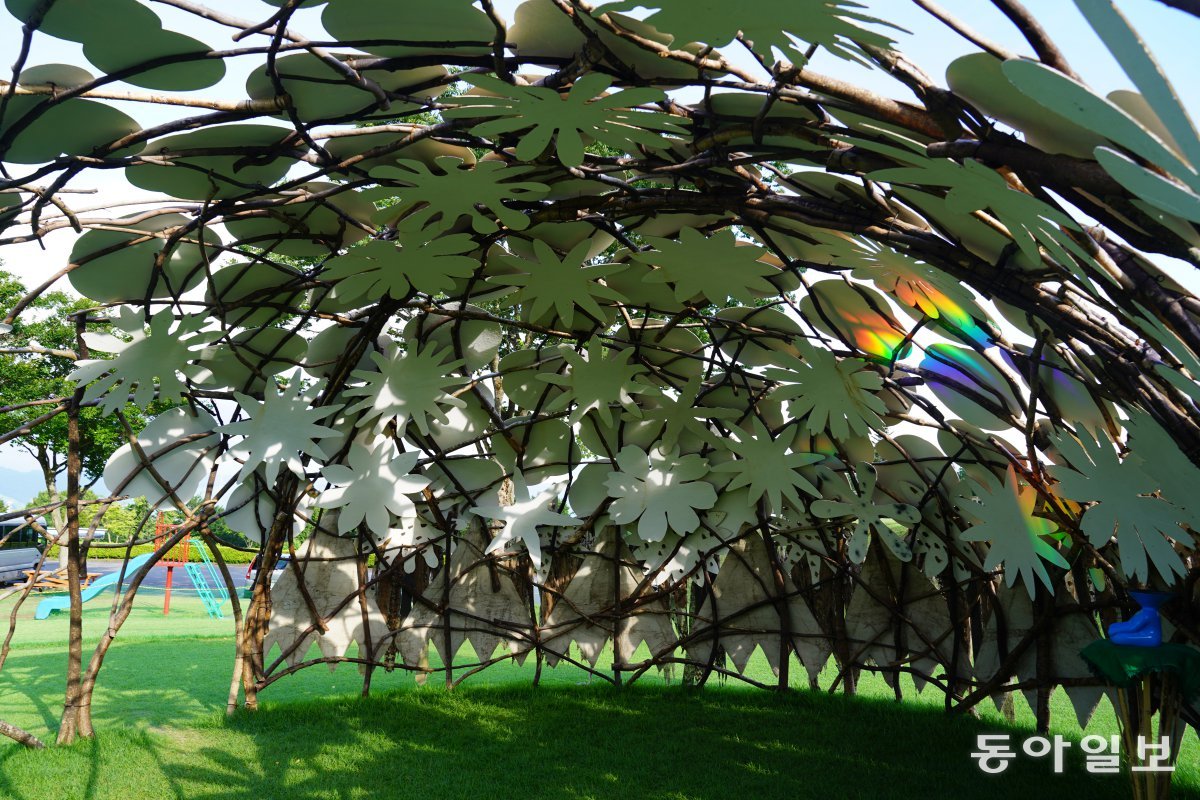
1026	498
957	364
1072	397
871	334
953	316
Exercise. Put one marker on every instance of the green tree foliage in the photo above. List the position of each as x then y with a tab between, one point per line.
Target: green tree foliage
123	519
87	513
35	360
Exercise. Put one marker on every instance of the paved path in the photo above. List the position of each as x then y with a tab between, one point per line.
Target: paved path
157	579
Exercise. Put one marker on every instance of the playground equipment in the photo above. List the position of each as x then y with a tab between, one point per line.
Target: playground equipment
52	604
204	576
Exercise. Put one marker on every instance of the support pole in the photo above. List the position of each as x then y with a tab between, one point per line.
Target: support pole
167	595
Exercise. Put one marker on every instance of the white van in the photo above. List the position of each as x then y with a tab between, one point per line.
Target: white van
21	549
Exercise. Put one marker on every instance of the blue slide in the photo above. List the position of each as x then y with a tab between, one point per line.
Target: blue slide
51	604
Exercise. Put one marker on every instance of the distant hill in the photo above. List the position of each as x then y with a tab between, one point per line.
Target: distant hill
16	487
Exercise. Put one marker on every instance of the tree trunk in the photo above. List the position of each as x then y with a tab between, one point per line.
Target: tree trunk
258	612
76	717
58	517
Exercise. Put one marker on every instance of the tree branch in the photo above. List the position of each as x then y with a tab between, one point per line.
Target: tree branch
1187	6
966	31
19	735
1036	35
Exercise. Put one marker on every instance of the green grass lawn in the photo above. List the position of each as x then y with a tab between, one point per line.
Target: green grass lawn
162	733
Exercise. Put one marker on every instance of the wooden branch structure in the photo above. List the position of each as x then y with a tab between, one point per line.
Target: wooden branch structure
676	351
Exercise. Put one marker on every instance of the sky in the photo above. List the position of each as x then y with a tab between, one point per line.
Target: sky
1171	35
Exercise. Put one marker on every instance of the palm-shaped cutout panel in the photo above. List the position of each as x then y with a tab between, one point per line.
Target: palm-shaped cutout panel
781	24
585	111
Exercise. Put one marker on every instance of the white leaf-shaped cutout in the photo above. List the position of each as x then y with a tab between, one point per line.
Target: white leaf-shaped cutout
659	490
179	444
373	486
521	520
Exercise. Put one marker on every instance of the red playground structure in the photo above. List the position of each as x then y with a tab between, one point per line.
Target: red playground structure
177	556
205	577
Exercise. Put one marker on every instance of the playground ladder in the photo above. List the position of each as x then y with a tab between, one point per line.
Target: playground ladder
212	595
214	574
211	604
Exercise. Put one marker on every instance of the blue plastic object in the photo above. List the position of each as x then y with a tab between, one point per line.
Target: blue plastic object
214	576
211	604
1143	629
52	604
210	586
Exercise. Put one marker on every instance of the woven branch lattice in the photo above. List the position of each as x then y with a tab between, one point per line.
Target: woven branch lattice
593	335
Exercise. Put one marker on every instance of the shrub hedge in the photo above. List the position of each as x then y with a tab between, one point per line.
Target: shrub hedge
230	555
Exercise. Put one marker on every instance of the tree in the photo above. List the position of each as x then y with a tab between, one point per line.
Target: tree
224	534
92	515
36	359
217	526
122	520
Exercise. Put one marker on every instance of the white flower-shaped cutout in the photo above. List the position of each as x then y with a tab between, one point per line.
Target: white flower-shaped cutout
413	538
768	467
680	414
1119	488
522	518
410	385
565	286
279	430
596	382
716	267
372	487
830	394
587	113
159	354
1017	538
659	491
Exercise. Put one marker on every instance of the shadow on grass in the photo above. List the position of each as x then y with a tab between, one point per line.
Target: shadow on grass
162	736
602	743
160	684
